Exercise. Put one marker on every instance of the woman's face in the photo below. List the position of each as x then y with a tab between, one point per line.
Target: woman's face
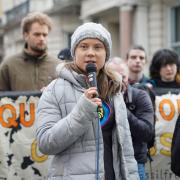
90	51
168	72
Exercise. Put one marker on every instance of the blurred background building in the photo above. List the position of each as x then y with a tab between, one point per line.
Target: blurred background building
152	23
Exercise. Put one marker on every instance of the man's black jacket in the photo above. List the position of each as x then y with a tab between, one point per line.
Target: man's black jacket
141	118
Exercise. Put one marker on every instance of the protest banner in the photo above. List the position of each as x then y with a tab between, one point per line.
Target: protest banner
20	158
19	155
167	109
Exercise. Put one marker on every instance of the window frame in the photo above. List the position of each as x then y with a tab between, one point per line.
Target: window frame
175	44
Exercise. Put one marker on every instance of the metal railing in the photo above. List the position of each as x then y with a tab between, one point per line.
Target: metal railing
15	94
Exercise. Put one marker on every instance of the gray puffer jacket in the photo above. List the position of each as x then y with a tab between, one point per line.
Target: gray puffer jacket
66	127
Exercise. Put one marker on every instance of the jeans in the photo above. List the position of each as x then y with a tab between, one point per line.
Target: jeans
141	171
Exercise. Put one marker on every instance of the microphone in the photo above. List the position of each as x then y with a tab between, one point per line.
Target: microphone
91	73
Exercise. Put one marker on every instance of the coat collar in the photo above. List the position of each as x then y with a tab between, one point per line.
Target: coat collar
30	57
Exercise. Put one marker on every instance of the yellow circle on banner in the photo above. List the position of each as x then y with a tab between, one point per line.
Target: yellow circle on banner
35	155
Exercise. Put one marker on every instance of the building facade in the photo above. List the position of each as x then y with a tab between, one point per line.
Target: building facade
153	24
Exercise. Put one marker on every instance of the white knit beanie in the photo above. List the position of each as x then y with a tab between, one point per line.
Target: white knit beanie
91	30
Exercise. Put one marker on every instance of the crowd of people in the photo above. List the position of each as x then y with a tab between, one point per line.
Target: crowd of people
69	125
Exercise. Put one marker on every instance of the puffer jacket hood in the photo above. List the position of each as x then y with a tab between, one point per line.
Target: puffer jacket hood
78	80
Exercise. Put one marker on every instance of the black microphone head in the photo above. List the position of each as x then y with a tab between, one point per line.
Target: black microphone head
91	67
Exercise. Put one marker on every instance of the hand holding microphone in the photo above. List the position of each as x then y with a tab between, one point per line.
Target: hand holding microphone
92	93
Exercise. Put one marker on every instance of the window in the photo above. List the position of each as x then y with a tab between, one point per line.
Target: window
176	29
18	12
69	39
1	44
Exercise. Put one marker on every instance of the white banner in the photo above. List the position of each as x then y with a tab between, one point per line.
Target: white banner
20	158
167	110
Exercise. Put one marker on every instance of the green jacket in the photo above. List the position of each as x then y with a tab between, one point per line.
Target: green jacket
22	72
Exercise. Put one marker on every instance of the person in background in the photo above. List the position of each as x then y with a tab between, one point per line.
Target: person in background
136	59
140	115
33	68
86	128
65	54
165	69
